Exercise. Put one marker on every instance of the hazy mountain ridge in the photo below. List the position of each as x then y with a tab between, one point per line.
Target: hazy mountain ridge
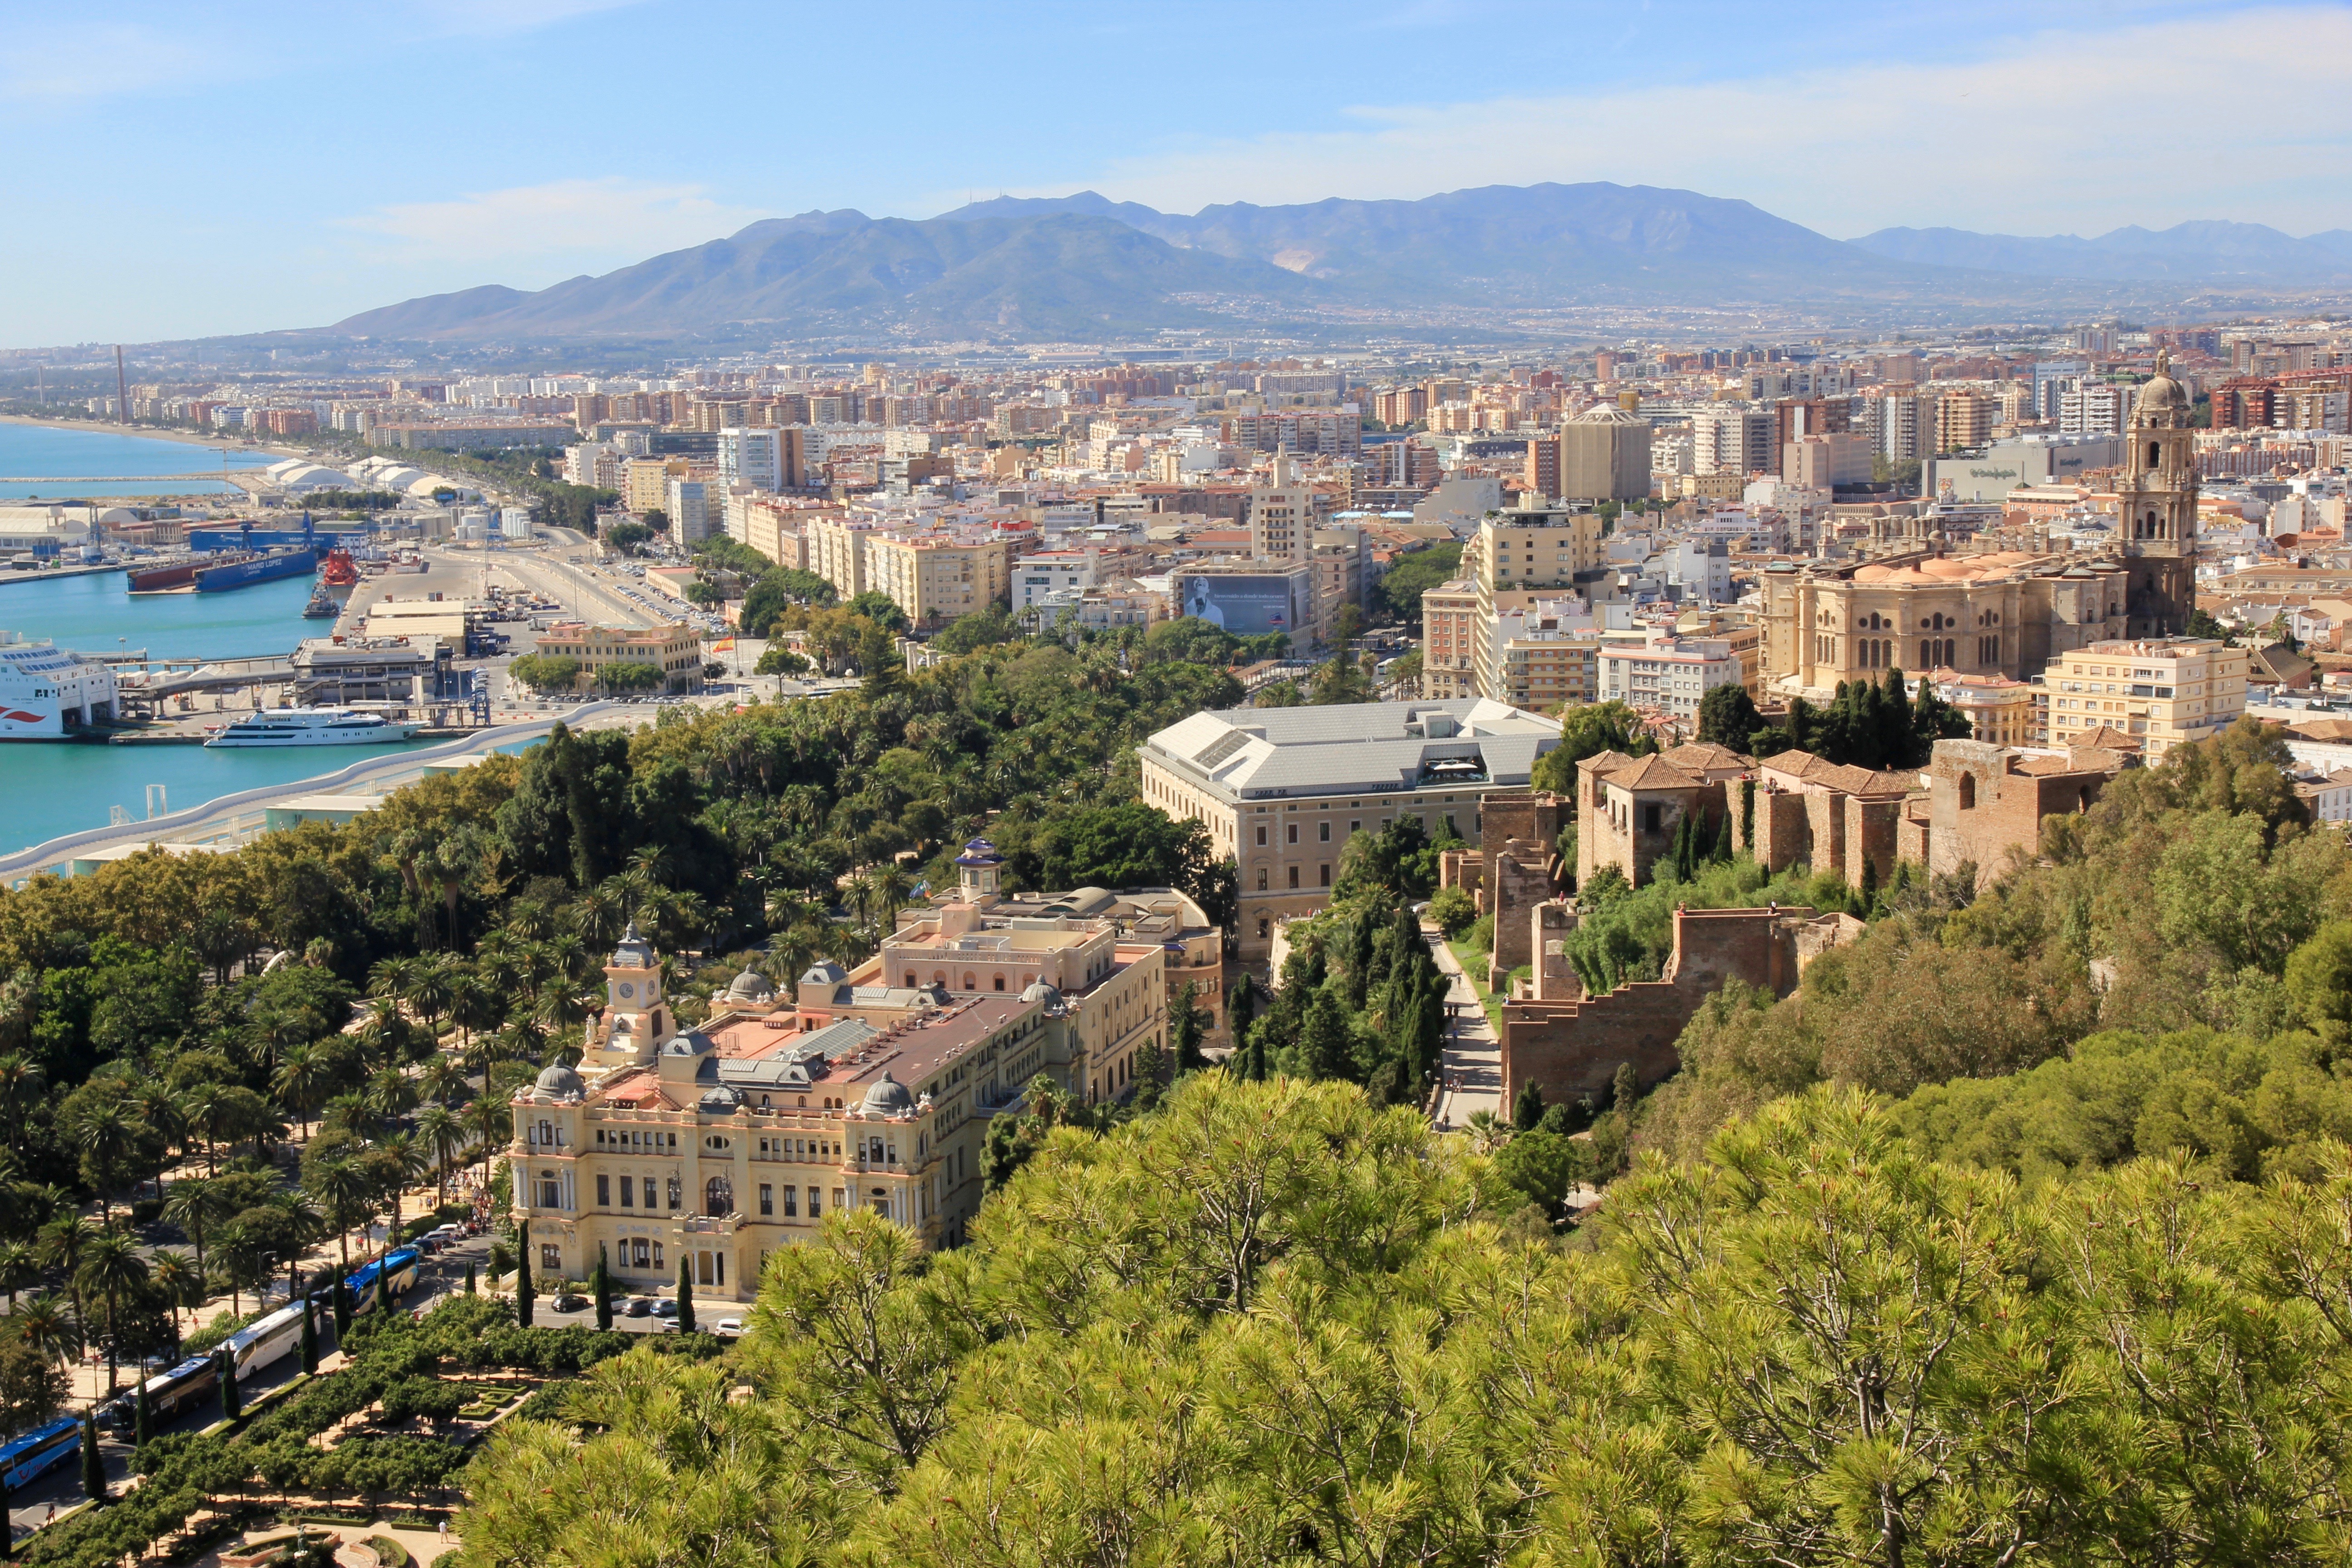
1084	267
2197	251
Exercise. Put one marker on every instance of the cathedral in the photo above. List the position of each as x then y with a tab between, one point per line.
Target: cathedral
2006	612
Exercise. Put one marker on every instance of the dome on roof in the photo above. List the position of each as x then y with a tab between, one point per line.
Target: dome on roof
2159	393
887	1097
1873	573
720	1097
1949	569
560	1080
751	986
1039	991
634	952
693	1043
824	971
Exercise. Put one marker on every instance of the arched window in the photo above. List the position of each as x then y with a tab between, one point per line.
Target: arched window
971	982
1000	982
719	1197
1968	792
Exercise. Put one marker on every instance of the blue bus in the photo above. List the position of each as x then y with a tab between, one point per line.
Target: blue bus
399	1264
39	1451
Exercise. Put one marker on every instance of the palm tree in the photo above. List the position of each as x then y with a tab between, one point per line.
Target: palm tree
65	1241
181	1281
530	920
443	1080
390	982
562	1010
345	1195
301	1079
390	1093
110	1268
106	1136
304	1225
445	1134
192	1205
21	1083
492	1120
433	989
473	1006
19	1265
45	1326
402	1160
166	1112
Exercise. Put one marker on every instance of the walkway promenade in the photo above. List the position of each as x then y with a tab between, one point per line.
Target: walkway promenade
1472	1064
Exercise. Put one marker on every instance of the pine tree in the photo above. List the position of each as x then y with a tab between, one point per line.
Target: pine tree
1528	1107
310	1338
685	1292
600	1287
93	1464
524	1297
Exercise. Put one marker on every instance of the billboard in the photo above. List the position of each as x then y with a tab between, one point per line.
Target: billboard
1247	605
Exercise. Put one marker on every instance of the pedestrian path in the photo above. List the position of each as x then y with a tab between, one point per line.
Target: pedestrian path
1471	1069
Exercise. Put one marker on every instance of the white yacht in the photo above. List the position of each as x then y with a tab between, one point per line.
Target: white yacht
314	726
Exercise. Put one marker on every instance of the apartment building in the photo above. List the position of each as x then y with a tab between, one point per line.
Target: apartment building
1282	789
1667	674
1523	556
1449	622
1282	514
1999	711
1050	572
2161	692
689	509
1543	669
936	578
836	552
675	649
645	483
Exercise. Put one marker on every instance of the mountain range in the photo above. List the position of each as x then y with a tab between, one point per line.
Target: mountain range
1084	267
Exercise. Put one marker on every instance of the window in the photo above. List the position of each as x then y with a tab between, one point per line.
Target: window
628	1190
1293	835
603	1191
1261	878
1293	875
817	1209
767	1199
1261	834
1264	926
550	1194
1649	817
791	1202
551	1257
1323	832
1968	792
1327	873
676	1193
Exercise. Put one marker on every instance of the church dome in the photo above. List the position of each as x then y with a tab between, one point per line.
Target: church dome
751	986
722	1098
560	1081
2159	393
1039	991
887	1097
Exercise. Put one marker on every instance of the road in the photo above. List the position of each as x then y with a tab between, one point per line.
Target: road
581	590
1472	1063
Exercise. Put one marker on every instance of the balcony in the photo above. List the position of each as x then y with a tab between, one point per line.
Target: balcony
706	1225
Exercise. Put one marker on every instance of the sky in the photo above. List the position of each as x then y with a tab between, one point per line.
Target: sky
191	169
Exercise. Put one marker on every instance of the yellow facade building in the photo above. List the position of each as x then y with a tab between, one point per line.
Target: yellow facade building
675	649
2160	693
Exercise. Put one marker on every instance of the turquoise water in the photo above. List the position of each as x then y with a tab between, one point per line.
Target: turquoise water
96	614
49	789
38	451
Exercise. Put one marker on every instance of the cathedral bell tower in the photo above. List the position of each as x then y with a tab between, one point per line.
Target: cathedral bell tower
2156	521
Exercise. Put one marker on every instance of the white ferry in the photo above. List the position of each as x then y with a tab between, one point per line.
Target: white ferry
314	726
43	688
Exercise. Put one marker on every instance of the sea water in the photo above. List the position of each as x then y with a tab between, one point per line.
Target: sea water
45	452
51	788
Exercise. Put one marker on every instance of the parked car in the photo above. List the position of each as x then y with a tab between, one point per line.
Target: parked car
727	1327
638	1307
569	1303
664	1307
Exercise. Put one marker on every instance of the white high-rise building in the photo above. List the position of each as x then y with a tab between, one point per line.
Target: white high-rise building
2093	408
689	512
751	456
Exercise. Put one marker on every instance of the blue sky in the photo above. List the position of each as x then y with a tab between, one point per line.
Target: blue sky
177	170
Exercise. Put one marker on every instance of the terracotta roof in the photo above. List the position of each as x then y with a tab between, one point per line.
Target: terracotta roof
2322	730
1850	779
1603	762
2039	766
1704	755
2105	738
1803	764
1651	772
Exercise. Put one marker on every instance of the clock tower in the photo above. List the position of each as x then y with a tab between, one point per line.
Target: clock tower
636	1020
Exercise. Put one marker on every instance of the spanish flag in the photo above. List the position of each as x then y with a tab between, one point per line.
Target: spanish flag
724	645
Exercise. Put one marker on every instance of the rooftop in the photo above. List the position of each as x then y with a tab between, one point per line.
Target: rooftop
1356	748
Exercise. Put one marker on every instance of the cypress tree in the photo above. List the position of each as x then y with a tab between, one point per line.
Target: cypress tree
1241	1008
469	1280
143	1410
1722	855
685	1292
93	1465
1528	1107
342	1305
232	1399
522	1274
1869	885
600	1287
310	1338
1747	813
383	1287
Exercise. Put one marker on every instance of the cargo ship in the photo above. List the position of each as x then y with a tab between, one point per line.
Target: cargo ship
174	576
255	569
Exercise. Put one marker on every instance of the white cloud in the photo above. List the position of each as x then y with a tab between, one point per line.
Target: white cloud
2239	117
567	224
